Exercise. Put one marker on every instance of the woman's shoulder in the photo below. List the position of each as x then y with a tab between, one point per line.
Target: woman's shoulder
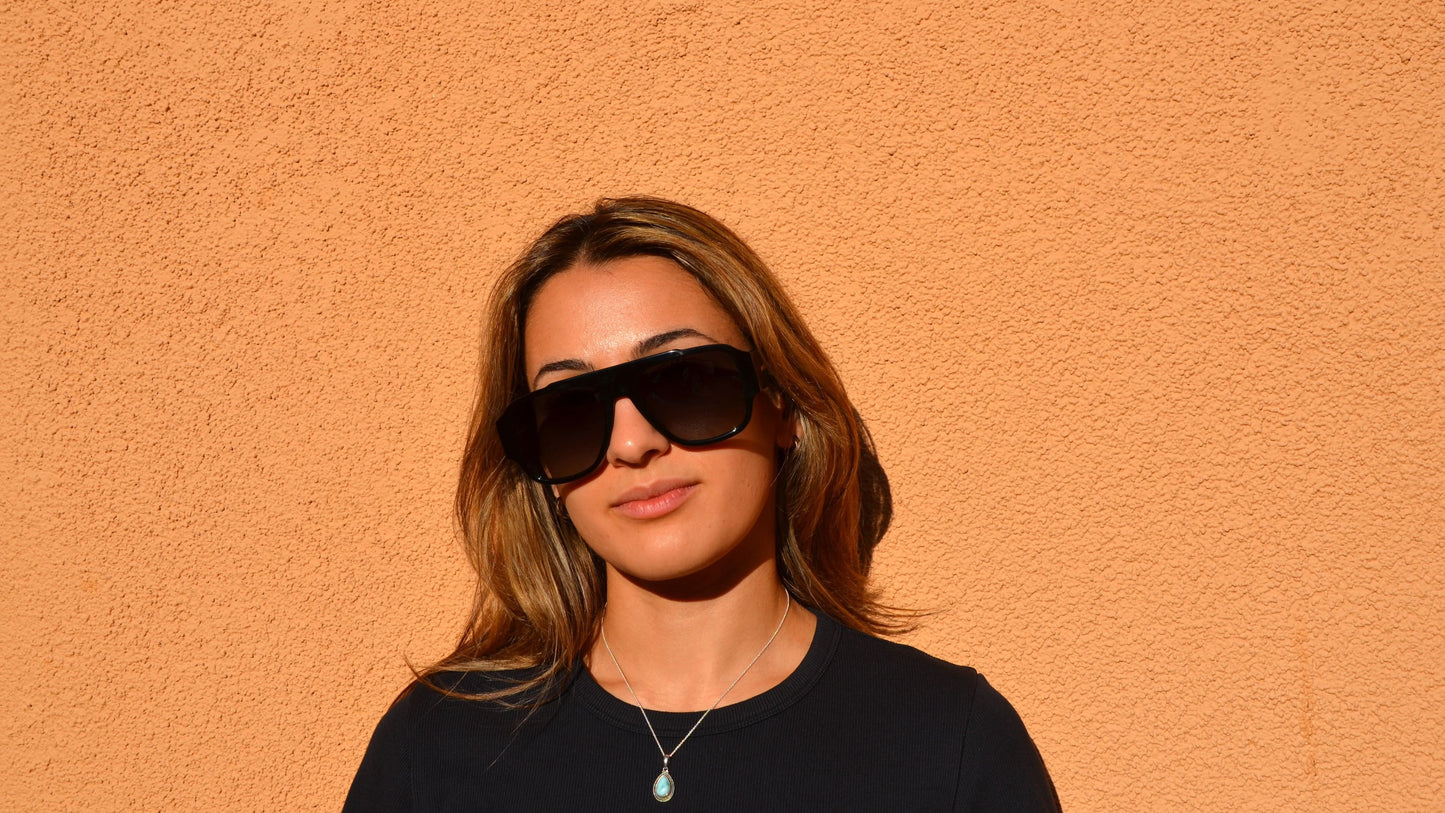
878	684
501	695
430	721
911	699
932	686
874	659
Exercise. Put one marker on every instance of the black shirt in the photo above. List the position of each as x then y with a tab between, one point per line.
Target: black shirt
862	724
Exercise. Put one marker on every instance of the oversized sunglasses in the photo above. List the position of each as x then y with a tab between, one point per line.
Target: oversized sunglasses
694	396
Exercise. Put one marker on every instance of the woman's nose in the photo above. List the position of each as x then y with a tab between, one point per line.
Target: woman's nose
634	439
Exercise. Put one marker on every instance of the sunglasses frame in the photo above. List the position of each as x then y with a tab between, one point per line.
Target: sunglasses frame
611	385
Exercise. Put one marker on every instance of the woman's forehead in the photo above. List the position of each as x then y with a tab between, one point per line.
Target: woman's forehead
602	314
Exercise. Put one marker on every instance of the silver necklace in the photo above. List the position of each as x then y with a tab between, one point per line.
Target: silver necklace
663	787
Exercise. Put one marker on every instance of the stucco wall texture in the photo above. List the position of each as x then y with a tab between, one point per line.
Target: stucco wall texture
1144	303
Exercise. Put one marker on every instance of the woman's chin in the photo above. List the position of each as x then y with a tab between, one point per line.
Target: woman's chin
662	568
685	571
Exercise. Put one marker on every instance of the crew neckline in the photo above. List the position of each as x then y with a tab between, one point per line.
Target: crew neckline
723	718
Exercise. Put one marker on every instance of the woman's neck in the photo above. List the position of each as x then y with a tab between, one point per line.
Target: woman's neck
680	653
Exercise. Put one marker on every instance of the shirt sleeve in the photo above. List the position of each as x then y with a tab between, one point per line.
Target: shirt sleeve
1002	770
383	782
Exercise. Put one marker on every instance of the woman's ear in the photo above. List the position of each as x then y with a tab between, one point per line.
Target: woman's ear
790	429
559	508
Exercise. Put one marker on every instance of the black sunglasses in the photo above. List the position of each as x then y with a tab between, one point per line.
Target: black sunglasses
694	397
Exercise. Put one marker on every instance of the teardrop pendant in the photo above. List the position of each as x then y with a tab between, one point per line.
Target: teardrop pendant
662	786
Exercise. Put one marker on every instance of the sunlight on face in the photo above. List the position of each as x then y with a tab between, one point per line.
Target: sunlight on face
653	510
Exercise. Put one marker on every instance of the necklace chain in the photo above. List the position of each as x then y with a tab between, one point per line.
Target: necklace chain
667	755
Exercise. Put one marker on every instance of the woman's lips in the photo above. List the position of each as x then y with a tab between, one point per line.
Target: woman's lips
650	502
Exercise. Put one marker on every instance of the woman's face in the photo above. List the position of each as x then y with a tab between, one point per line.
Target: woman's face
653	510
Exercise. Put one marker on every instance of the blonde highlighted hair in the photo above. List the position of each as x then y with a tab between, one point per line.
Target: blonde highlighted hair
540	590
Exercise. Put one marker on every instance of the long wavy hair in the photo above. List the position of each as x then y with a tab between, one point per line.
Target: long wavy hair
540	590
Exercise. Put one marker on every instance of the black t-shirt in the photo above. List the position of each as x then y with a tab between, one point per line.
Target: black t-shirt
862	724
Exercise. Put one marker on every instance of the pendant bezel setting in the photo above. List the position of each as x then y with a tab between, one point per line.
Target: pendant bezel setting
663	787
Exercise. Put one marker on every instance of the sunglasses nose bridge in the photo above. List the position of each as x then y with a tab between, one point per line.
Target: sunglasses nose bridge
633	437
626	386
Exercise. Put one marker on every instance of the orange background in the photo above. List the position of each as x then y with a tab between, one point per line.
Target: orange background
1144	303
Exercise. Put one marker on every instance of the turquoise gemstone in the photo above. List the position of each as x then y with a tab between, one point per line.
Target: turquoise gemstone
662	786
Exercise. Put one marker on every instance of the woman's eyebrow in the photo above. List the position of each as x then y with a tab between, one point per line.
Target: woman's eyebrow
565	365
643	348
652	343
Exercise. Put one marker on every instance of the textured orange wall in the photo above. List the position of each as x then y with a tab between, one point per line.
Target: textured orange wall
1145	304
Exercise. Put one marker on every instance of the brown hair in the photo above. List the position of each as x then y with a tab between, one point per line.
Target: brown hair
539	593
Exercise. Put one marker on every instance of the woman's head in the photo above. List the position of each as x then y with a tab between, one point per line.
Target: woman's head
679	491
633	277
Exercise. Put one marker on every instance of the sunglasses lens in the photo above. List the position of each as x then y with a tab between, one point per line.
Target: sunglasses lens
572	428
696	398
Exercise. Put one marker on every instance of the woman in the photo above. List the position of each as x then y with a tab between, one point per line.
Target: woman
670	505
